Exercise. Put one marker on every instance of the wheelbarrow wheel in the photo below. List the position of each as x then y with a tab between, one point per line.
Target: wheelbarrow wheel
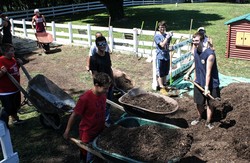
54	118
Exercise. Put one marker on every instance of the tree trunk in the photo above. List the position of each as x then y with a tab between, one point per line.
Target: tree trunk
115	9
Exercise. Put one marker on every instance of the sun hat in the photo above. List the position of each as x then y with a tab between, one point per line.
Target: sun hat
36	10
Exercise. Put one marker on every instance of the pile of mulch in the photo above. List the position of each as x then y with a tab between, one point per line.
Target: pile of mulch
148	143
150	102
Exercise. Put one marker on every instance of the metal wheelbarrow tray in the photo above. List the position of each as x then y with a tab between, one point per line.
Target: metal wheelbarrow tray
48	99
44	39
131	122
144	112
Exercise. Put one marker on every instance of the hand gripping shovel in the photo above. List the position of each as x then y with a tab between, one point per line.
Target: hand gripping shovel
216	102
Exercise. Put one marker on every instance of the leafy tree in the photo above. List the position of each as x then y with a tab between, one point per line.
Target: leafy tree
115	9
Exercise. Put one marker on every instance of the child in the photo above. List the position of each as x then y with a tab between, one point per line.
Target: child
10	95
101	62
91	108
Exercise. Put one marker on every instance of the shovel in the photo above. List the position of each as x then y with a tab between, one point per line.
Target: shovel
200	88
216	102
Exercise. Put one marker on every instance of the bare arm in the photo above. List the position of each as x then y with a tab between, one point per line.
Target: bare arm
33	21
71	121
44	21
210	62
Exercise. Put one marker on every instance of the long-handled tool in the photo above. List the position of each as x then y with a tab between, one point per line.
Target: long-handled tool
202	89
87	147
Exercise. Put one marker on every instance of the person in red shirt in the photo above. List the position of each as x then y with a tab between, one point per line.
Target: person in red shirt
10	95
91	108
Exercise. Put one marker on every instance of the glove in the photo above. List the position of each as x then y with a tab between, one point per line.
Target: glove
186	77
206	92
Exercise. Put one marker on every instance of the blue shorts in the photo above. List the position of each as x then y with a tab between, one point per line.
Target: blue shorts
162	67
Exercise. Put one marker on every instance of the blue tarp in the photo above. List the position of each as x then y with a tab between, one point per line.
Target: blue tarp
187	87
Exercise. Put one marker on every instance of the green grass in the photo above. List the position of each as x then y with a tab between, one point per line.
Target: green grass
210	15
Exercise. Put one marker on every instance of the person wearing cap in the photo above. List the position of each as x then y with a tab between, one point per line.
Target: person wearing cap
94	49
207	43
162	41
39	20
6	28
207	76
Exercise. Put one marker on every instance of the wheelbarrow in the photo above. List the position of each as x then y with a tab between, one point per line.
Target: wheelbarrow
43	40
144	112
127	122
48	99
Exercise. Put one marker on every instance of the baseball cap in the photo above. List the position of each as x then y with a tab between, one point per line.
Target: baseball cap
36	10
200	28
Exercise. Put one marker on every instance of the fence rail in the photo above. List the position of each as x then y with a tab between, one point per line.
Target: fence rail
83	7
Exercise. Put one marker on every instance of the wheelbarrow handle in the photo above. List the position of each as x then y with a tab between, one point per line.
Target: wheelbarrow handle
198	86
25	72
115	105
87	147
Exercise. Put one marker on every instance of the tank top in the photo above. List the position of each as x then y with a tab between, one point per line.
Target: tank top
200	69
39	23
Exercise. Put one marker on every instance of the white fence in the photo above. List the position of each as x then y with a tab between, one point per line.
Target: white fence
141	43
83	7
7	150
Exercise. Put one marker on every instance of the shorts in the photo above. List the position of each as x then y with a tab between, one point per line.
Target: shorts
162	67
11	103
200	98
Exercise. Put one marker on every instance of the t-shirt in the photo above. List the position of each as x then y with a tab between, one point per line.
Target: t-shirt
6	85
162	52
39	23
91	108
101	64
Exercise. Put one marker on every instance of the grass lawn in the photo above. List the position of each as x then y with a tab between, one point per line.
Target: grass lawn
212	16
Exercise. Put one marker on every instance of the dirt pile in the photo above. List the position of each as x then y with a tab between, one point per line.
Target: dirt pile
149	143
149	102
229	141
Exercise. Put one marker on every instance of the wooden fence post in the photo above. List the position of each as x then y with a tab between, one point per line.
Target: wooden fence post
53	26
111	38
70	32
24	28
135	40
89	34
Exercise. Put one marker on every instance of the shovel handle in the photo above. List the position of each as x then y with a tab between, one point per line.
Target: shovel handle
115	105
198	86
87	147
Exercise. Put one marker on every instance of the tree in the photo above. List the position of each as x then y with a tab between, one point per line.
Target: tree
115	9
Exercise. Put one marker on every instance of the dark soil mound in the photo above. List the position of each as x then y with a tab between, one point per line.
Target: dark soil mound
149	143
150	102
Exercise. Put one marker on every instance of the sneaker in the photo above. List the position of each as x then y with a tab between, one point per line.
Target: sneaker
209	125
18	122
163	91
195	122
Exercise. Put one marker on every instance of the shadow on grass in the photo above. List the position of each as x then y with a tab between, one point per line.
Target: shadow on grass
34	143
176	19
